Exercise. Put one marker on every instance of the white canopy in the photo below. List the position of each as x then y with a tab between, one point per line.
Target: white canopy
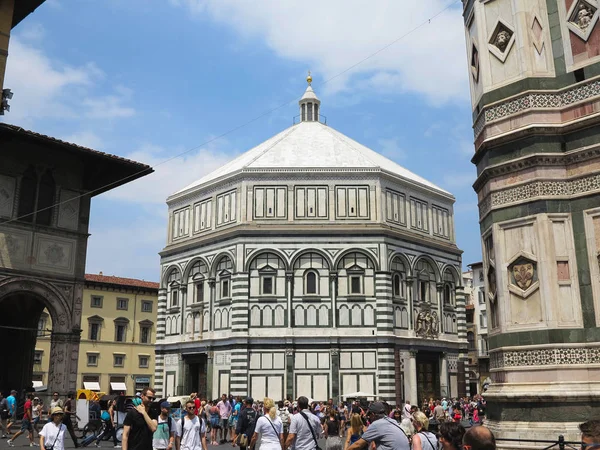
358	394
118	387
37	384
91	385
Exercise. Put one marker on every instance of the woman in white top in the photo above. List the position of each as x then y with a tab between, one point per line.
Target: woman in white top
36	413
423	439
269	427
52	436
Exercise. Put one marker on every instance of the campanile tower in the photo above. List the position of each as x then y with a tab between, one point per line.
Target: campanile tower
534	71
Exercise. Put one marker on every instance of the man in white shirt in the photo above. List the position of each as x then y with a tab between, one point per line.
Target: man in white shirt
191	433
305	428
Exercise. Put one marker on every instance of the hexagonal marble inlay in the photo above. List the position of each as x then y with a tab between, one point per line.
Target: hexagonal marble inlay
523	275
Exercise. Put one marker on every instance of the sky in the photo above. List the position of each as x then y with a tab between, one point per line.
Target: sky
152	79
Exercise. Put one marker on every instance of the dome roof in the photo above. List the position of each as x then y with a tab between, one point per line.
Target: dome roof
311	147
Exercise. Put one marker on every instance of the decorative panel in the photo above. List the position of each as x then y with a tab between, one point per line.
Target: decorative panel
7	195
226	208
181	223
311	202
441	222
202	216
14	248
54	254
395	207
352	202
270	202
68	213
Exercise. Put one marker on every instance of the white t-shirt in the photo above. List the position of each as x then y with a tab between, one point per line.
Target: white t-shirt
269	440
162	435
54	436
190	432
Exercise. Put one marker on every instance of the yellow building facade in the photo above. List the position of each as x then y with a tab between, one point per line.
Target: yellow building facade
117	338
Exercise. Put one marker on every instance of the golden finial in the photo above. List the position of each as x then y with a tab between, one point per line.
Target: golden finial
309	78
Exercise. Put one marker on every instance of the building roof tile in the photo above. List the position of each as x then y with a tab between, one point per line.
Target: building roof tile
129	282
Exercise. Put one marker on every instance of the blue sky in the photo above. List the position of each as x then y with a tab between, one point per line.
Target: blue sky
149	79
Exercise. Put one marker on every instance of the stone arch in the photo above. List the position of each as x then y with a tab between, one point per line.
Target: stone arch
168	272
455	273
213	268
404	259
256	253
319	252
370	256
190	264
431	262
22	301
48	295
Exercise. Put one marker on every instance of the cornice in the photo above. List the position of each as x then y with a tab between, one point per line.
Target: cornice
536	160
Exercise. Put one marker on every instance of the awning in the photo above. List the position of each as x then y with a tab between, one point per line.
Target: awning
91	385
37	384
118	387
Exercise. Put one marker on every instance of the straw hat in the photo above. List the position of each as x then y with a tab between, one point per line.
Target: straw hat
56	410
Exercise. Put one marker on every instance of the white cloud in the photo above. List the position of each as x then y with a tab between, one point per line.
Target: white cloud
337	34
45	87
32	31
172	176
85	139
390	148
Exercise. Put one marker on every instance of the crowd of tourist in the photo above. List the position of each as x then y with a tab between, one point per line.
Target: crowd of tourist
444	424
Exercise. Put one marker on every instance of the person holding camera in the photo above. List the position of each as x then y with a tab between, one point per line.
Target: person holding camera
52	436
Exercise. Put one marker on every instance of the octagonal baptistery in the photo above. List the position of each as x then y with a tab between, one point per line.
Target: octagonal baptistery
311	265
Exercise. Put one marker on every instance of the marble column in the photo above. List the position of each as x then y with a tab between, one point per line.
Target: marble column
333	279
444	384
211	303
64	351
289	283
410	375
209	373
335	373
440	303
289	373
410	294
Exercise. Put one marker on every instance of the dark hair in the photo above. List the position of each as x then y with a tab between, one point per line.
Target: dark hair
280	404
591	428
452	432
190	402
302	402
480	438
146	390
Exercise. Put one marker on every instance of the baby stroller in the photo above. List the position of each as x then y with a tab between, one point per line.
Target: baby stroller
93	431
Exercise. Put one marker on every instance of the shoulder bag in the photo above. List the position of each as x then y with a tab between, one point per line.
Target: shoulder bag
434	447
311	430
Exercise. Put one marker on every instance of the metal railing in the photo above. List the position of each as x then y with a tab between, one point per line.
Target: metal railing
560	443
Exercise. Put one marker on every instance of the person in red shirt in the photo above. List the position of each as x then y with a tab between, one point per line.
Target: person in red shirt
26	424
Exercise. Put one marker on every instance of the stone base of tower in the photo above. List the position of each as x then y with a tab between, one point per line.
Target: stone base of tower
542	410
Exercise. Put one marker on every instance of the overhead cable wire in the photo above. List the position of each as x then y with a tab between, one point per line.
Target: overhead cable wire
243	125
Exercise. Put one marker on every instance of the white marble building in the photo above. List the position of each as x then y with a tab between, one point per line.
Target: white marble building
311	265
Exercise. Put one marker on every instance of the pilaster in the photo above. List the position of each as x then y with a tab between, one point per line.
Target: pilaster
335	372
384	318
289	372
239	306
210	355
386	374
159	368
161	311
240	362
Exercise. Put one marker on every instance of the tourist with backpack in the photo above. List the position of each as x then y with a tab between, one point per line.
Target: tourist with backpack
191	432
423	439
164	436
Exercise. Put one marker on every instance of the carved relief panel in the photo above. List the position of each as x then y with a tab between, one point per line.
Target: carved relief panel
518	272
580	32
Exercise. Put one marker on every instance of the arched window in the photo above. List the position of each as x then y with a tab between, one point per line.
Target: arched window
311	283
355	266
267	271
425	281
198	274
224	269
173	282
46	198
27	195
471	340
398	278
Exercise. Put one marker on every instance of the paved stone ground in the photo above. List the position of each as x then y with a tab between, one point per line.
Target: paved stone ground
23	442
